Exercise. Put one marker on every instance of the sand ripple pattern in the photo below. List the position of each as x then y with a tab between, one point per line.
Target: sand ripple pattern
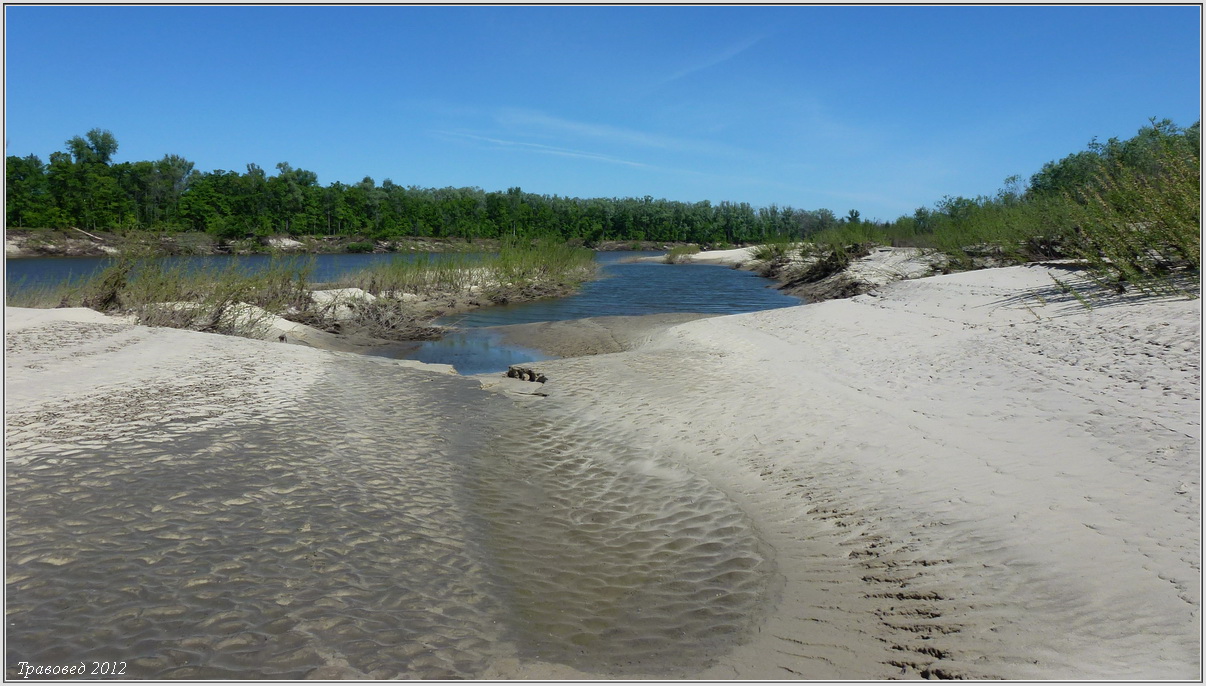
612	558
213	521
301	542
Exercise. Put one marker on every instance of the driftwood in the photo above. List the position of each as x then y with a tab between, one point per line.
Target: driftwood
95	238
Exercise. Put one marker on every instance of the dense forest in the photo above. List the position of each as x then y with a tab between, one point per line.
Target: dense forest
82	187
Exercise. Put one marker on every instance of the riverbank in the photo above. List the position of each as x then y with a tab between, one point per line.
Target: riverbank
396	299
880	266
969	475
24	243
590	336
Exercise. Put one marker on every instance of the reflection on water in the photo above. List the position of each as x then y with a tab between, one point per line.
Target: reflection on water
469	351
637	288
626	288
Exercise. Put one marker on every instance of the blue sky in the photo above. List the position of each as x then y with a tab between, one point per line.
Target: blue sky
880	109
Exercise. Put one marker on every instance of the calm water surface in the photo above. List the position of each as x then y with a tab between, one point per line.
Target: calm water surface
626	288
636	288
31	272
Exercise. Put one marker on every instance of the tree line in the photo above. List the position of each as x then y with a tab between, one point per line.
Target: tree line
82	187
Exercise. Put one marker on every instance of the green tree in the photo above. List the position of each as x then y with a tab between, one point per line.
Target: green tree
96	147
28	201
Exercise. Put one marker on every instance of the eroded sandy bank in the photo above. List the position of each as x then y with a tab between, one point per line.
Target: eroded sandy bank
880	266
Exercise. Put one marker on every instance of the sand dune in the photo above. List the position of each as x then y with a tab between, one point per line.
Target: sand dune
969	475
961	476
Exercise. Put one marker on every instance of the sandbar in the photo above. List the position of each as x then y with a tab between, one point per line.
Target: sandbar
961	476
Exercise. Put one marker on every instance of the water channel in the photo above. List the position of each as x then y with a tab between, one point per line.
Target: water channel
625	287
334	535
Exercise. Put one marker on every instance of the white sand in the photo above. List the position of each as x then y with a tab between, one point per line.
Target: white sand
733	257
881	266
728	258
885	265
965	475
76	356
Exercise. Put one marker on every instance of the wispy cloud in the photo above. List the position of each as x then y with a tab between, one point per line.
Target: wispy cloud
540	148
531	122
529	119
724	56
504	144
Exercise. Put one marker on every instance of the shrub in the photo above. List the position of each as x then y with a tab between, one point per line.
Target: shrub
230	299
519	268
776	251
104	293
359	247
1137	226
678	254
824	260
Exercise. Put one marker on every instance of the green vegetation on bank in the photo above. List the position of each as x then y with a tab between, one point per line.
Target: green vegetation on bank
520	270
679	253
1128	210
234	299
208	297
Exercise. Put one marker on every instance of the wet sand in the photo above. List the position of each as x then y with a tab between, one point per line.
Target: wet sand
207	507
590	336
961	476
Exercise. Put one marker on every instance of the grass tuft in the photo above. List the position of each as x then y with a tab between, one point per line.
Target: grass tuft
679	254
519	270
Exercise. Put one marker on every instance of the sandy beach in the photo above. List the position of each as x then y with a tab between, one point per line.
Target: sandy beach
969	476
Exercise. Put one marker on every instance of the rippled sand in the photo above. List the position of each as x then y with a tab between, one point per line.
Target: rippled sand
612	559
212	508
966	476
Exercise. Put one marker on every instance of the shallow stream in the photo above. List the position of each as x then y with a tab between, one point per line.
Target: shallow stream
365	532
626	288
371	533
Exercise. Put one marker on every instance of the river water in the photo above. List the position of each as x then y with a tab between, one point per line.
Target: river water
32	272
386	523
472	347
626	288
